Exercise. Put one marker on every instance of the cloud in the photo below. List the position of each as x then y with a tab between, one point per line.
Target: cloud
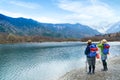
46	19
40	19
29	5
90	12
13	14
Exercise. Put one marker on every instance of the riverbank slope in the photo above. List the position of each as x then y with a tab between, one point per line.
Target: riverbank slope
112	74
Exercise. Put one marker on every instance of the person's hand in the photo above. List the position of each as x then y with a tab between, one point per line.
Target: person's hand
98	56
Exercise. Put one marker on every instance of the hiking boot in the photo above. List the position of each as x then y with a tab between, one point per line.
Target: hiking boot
93	72
102	69
106	69
89	73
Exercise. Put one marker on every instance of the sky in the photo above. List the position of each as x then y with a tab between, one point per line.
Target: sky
97	14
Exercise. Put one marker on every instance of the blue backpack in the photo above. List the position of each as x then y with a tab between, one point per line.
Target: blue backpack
93	49
106	48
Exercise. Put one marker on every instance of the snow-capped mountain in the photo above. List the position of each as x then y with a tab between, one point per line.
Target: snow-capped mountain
114	28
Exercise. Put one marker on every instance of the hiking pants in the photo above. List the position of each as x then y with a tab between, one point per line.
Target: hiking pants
91	62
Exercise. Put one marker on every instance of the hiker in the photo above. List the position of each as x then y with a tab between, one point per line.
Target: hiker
104	50
90	53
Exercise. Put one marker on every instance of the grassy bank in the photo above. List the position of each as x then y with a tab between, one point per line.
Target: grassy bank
11	38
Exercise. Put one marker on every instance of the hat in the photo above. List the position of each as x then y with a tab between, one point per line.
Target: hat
89	41
104	41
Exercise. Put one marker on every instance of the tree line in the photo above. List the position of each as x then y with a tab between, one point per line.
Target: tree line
109	37
12	38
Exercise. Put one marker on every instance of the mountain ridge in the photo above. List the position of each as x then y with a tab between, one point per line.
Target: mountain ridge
30	27
114	28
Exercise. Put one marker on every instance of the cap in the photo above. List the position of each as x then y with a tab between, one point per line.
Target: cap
104	41
89	41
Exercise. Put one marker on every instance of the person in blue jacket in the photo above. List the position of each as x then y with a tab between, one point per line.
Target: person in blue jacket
90	59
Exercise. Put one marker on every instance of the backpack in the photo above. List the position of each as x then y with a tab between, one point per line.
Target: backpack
93	49
106	48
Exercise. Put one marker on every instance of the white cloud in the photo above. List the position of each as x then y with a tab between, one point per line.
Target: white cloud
46	19
13	14
40	19
26	4
79	16
90	12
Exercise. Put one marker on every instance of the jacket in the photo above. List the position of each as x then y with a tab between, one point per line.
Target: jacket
100	46
87	51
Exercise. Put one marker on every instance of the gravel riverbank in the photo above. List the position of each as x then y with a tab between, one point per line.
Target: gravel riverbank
113	72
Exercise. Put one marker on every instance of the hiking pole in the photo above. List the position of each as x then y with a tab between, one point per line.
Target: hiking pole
86	64
86	78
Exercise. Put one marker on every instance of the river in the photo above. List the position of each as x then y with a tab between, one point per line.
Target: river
43	61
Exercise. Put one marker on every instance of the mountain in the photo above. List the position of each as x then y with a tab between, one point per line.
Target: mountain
114	28
29	27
